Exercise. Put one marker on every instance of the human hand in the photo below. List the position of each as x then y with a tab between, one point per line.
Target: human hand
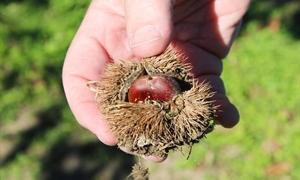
203	30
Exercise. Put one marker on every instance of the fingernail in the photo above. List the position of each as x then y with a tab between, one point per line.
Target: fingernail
155	158
145	35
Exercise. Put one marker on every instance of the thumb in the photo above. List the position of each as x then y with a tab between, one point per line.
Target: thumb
149	26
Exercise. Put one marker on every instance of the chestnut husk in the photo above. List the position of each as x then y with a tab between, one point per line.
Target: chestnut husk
154	127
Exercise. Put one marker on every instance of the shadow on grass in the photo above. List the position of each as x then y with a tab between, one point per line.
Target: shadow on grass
88	161
286	13
37	3
66	158
47	121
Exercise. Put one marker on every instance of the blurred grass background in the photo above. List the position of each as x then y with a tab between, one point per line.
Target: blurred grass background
40	139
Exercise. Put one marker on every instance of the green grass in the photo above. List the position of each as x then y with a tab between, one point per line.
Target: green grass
40	139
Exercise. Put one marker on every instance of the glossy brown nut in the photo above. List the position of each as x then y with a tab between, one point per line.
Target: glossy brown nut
153	87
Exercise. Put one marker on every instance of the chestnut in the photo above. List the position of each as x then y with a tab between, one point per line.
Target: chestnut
153	87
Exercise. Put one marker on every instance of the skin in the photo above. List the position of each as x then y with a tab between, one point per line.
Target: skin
132	29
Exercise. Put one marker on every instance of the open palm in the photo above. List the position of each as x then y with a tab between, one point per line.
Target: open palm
132	29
